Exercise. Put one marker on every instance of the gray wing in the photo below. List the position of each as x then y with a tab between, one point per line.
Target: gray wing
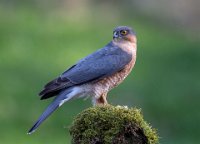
100	64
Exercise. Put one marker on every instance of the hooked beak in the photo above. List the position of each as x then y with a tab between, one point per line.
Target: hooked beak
115	35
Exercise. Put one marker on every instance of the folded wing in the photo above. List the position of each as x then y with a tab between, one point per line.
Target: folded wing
98	65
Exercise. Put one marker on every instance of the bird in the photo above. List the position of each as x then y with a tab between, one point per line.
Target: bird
93	76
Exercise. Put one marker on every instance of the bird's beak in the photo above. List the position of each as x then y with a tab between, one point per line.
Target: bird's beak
115	35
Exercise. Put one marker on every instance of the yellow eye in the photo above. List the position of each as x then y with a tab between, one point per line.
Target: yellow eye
123	32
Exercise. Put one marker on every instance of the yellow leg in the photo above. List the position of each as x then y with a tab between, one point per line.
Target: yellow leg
102	100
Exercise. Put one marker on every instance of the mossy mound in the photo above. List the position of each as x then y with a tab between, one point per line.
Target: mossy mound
112	125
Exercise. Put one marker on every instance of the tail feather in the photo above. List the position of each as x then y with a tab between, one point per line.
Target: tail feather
58	101
47	113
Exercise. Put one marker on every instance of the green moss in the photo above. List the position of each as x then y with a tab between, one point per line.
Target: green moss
112	125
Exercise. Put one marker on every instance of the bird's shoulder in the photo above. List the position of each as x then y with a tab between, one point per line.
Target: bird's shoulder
109	49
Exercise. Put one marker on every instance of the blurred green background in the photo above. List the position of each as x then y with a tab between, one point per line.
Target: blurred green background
40	39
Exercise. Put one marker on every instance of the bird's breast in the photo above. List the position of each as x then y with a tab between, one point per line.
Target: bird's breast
115	79
107	83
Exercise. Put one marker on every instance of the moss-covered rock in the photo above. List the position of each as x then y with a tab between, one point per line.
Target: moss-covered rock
112	125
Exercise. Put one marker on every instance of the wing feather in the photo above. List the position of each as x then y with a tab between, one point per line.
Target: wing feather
100	64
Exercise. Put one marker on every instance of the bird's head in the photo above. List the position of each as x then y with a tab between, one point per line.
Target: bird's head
124	33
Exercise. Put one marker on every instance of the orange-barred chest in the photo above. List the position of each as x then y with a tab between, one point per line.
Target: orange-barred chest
118	77
104	85
115	79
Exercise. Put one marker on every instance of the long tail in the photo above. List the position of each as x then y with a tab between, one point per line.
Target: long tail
57	102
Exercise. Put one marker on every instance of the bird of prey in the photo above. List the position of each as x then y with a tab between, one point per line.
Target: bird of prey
94	75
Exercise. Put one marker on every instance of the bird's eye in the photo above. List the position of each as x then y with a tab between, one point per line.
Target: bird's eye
123	32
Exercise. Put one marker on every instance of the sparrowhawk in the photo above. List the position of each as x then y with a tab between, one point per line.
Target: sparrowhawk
94	75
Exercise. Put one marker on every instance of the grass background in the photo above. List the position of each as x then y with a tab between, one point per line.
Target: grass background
36	45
